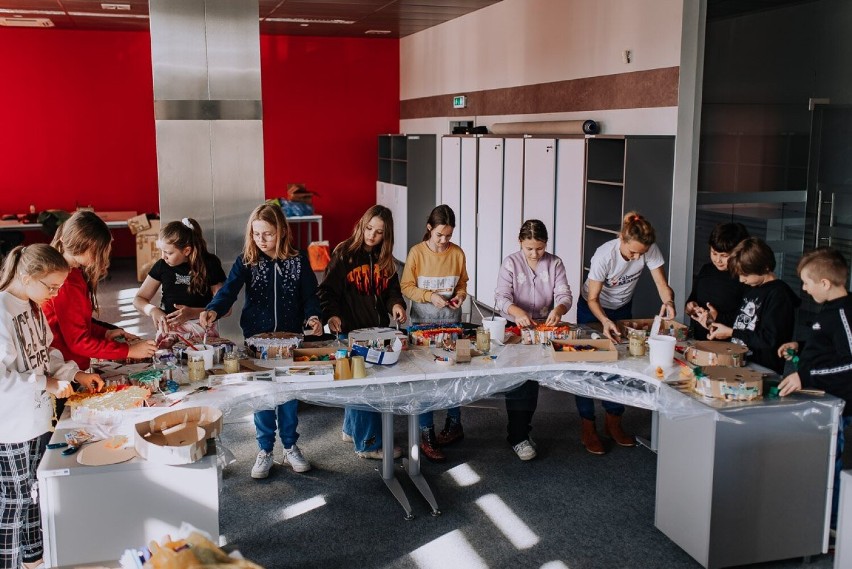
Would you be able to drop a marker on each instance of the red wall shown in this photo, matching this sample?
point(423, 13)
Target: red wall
point(325, 100)
point(79, 121)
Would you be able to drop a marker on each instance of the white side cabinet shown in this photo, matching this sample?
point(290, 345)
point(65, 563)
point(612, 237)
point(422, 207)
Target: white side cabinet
point(567, 230)
point(540, 181)
point(490, 213)
point(466, 218)
point(395, 198)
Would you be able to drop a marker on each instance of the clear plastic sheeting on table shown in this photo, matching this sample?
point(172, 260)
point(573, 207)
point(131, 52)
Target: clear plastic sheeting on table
point(420, 383)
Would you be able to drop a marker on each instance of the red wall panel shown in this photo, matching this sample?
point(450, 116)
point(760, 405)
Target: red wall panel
point(79, 121)
point(325, 100)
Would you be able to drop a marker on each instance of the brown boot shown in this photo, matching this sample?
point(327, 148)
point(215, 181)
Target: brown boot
point(429, 446)
point(589, 437)
point(615, 432)
point(452, 432)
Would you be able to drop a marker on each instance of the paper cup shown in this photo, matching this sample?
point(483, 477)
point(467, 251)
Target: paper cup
point(205, 352)
point(662, 350)
point(496, 327)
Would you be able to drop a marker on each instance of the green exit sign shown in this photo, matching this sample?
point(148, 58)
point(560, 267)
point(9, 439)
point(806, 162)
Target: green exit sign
point(459, 102)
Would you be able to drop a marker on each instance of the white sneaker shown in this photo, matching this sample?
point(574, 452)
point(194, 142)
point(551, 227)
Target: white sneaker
point(346, 438)
point(524, 450)
point(294, 457)
point(262, 465)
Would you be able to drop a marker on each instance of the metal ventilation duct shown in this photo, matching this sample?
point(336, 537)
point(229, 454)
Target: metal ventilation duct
point(207, 106)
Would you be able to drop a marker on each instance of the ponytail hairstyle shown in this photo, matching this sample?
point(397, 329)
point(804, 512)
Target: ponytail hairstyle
point(272, 215)
point(533, 229)
point(441, 215)
point(355, 242)
point(187, 233)
point(34, 260)
point(636, 228)
point(82, 233)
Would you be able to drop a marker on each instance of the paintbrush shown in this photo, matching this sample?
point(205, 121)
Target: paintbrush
point(189, 344)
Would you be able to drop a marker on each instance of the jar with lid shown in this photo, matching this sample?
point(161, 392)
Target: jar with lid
point(636, 343)
point(195, 368)
point(231, 362)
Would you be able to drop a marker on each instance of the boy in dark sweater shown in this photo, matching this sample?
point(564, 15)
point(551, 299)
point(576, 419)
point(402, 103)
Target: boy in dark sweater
point(716, 293)
point(825, 357)
point(768, 309)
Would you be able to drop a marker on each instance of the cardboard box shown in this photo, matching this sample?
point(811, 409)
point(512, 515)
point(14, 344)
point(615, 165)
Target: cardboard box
point(147, 252)
point(730, 383)
point(138, 224)
point(372, 356)
point(605, 351)
point(178, 437)
point(305, 373)
point(716, 353)
point(667, 328)
point(367, 336)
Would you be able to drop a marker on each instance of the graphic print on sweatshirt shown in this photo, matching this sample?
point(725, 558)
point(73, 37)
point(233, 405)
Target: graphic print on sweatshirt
point(622, 280)
point(747, 318)
point(31, 339)
point(444, 286)
point(289, 270)
point(359, 278)
point(183, 280)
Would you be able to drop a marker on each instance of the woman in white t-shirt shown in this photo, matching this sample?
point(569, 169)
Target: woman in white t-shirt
point(608, 296)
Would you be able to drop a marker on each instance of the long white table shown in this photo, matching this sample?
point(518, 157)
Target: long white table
point(696, 437)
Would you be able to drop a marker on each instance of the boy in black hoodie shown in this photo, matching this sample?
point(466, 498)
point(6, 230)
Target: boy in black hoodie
point(825, 357)
point(768, 310)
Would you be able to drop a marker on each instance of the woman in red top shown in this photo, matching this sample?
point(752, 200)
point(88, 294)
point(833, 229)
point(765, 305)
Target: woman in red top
point(85, 242)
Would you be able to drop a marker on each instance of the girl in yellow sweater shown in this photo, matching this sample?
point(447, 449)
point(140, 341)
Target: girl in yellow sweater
point(435, 280)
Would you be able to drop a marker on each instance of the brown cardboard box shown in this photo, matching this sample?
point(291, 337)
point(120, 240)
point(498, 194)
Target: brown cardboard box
point(147, 252)
point(605, 351)
point(667, 328)
point(178, 437)
point(138, 224)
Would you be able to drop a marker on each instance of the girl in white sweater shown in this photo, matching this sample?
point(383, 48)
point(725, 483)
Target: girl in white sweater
point(31, 374)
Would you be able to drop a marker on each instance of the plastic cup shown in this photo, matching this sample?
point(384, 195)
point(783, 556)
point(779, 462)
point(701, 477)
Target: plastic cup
point(359, 370)
point(662, 350)
point(496, 327)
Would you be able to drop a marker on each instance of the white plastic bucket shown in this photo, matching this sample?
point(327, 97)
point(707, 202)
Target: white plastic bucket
point(662, 350)
point(496, 327)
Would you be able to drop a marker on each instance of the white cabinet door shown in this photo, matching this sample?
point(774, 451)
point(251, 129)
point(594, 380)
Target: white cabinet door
point(395, 198)
point(540, 181)
point(513, 194)
point(490, 210)
point(466, 214)
point(451, 175)
point(568, 226)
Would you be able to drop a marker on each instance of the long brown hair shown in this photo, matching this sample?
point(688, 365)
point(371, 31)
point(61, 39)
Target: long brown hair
point(272, 215)
point(440, 215)
point(636, 228)
point(355, 242)
point(34, 260)
point(187, 233)
point(84, 232)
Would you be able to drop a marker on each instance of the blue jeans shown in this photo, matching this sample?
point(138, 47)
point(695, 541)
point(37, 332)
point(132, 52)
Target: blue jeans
point(427, 420)
point(838, 467)
point(287, 419)
point(365, 428)
point(586, 405)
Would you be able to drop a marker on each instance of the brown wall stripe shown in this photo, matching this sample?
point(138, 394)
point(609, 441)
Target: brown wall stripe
point(635, 90)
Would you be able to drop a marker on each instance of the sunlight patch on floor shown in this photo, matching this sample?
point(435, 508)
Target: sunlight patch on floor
point(554, 565)
point(449, 550)
point(302, 507)
point(502, 516)
point(464, 475)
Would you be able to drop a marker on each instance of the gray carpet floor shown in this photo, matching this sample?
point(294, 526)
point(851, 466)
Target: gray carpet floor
point(566, 509)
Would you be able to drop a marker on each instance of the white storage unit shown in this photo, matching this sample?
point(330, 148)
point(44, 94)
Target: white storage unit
point(540, 181)
point(451, 176)
point(406, 185)
point(466, 218)
point(567, 233)
point(513, 194)
point(490, 214)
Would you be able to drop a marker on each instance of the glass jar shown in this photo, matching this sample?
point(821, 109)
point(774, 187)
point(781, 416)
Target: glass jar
point(483, 340)
point(636, 343)
point(231, 362)
point(195, 368)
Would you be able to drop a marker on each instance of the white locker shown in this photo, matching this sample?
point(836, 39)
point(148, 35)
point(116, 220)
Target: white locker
point(568, 227)
point(490, 212)
point(540, 181)
point(466, 219)
point(451, 177)
point(395, 198)
point(513, 194)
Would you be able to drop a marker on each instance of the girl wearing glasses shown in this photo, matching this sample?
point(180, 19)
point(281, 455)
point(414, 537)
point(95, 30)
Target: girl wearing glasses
point(281, 296)
point(31, 375)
